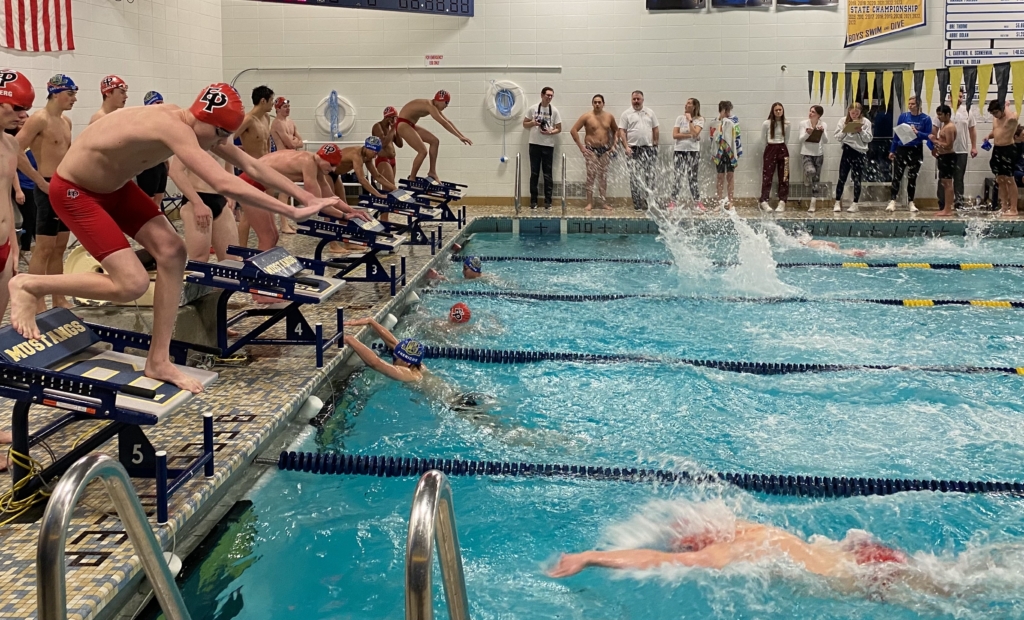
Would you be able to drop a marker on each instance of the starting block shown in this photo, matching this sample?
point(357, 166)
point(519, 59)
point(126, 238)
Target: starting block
point(372, 235)
point(65, 369)
point(274, 273)
point(405, 203)
point(440, 193)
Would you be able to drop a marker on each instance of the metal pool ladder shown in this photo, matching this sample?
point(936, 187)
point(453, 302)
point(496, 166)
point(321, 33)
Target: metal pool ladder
point(433, 520)
point(51, 586)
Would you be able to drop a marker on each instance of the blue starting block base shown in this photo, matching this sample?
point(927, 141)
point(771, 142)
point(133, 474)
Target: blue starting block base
point(66, 369)
point(274, 274)
point(372, 235)
point(441, 195)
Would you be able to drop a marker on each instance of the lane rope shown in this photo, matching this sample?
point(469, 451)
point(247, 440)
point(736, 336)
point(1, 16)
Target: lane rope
point(495, 356)
point(847, 265)
point(771, 484)
point(909, 303)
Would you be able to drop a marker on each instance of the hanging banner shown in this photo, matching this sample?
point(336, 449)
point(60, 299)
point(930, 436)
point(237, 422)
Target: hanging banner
point(871, 19)
point(740, 4)
point(799, 3)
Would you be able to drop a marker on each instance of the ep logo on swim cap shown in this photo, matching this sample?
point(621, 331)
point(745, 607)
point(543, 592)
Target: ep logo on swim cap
point(390, 111)
point(15, 89)
point(374, 144)
point(443, 95)
point(219, 105)
point(111, 83)
point(409, 351)
point(331, 154)
point(473, 264)
point(459, 313)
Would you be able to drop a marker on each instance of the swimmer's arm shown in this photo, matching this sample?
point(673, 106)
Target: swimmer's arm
point(396, 139)
point(374, 173)
point(575, 131)
point(444, 122)
point(310, 172)
point(266, 175)
point(28, 133)
point(359, 169)
point(26, 167)
point(631, 559)
point(373, 360)
point(326, 189)
point(178, 174)
point(382, 332)
point(246, 125)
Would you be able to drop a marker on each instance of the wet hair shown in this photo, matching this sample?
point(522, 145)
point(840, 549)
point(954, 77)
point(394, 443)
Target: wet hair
point(725, 106)
point(820, 111)
point(544, 90)
point(771, 118)
point(637, 92)
point(996, 106)
point(260, 93)
point(944, 109)
point(596, 96)
point(696, 107)
point(854, 106)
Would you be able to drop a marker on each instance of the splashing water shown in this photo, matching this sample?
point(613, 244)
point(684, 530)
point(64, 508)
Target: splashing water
point(755, 274)
point(976, 231)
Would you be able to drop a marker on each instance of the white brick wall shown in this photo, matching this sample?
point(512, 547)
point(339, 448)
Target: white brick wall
point(172, 46)
point(607, 46)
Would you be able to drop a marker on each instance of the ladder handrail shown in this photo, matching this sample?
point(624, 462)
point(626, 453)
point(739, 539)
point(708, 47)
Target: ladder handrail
point(563, 185)
point(51, 584)
point(517, 187)
point(433, 520)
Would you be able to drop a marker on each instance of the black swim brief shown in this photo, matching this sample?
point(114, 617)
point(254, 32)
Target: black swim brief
point(946, 165)
point(599, 150)
point(47, 222)
point(153, 180)
point(1003, 160)
point(216, 202)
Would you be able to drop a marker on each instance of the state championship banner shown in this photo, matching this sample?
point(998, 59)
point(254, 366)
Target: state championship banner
point(871, 19)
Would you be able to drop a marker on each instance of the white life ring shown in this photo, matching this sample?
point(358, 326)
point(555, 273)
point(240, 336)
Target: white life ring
point(497, 102)
point(346, 116)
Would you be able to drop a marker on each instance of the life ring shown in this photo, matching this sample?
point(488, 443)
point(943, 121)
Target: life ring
point(80, 261)
point(505, 100)
point(346, 117)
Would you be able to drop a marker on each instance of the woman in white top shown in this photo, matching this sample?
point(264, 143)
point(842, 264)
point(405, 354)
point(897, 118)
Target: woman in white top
point(813, 137)
point(854, 133)
point(686, 133)
point(776, 157)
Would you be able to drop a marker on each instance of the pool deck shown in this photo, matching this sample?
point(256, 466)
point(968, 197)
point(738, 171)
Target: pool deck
point(254, 405)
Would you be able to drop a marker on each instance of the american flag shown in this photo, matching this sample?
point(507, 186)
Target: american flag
point(37, 25)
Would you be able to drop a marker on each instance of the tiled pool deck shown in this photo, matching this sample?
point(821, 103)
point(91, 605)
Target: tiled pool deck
point(254, 403)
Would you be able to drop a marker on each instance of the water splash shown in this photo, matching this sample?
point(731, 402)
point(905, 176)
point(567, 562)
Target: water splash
point(755, 273)
point(977, 230)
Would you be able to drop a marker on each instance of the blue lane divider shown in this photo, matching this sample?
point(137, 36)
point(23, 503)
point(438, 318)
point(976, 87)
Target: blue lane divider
point(771, 484)
point(846, 265)
point(570, 297)
point(494, 356)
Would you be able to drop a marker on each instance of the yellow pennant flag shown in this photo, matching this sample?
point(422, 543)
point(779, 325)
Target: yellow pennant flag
point(956, 76)
point(1017, 75)
point(855, 78)
point(871, 88)
point(828, 87)
point(929, 85)
point(840, 85)
point(908, 86)
point(984, 79)
point(886, 87)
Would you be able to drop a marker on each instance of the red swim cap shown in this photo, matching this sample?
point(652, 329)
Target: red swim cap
point(390, 111)
point(331, 154)
point(111, 83)
point(443, 95)
point(219, 105)
point(459, 313)
point(15, 89)
point(876, 553)
point(280, 102)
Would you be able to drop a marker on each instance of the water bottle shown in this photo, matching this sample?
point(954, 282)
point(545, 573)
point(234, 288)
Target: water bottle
point(986, 145)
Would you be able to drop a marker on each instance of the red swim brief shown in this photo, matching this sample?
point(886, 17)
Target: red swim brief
point(399, 120)
point(251, 181)
point(385, 160)
point(5, 252)
point(98, 220)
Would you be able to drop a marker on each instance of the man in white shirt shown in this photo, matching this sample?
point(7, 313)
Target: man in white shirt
point(638, 132)
point(966, 143)
point(544, 123)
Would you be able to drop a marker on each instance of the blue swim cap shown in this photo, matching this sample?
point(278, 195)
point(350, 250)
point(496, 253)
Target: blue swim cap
point(374, 144)
point(60, 83)
point(473, 264)
point(152, 97)
point(409, 351)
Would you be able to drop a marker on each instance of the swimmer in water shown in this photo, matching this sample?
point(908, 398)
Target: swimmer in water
point(472, 268)
point(857, 564)
point(815, 244)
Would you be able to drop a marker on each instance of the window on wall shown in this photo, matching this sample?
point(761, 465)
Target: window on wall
point(881, 113)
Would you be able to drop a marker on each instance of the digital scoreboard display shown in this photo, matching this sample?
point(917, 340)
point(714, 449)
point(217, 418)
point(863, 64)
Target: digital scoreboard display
point(457, 8)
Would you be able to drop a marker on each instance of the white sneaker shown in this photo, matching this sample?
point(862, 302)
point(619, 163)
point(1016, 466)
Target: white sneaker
point(913, 207)
point(810, 209)
point(836, 208)
point(765, 207)
point(781, 207)
point(891, 206)
point(853, 208)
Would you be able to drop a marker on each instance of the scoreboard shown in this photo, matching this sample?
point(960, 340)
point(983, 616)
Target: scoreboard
point(459, 8)
point(983, 31)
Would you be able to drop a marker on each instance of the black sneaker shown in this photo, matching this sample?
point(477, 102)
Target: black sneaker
point(548, 206)
point(533, 206)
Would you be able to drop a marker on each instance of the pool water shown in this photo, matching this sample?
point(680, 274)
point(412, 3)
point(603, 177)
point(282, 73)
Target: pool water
point(333, 546)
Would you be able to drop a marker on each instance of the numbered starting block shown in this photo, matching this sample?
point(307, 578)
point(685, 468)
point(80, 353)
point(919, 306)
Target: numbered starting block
point(68, 369)
point(372, 235)
point(276, 274)
point(417, 210)
point(442, 194)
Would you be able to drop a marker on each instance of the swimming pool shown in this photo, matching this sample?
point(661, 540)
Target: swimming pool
point(333, 546)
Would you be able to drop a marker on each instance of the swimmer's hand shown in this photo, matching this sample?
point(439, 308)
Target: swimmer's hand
point(466, 141)
point(359, 322)
point(203, 216)
point(358, 215)
point(304, 213)
point(569, 564)
point(19, 196)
